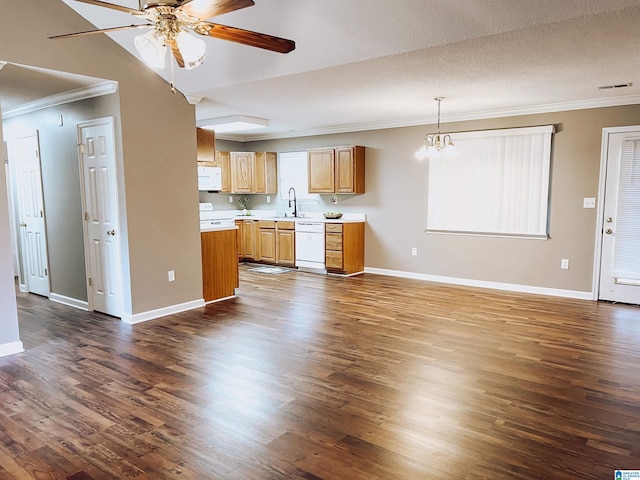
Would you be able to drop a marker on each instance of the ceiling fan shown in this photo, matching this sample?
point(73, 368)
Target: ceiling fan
point(171, 21)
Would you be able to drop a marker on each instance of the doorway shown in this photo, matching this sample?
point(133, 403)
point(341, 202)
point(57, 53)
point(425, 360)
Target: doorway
point(619, 266)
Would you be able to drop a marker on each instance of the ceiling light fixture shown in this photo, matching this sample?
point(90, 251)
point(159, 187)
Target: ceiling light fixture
point(152, 46)
point(435, 144)
point(233, 123)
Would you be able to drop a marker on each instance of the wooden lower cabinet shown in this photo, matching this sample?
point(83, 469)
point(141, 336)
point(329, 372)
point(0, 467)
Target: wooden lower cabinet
point(344, 248)
point(276, 242)
point(246, 239)
point(286, 243)
point(267, 241)
point(219, 264)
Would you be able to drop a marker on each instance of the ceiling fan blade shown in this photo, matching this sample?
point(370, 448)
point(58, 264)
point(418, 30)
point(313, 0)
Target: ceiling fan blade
point(112, 6)
point(176, 53)
point(102, 30)
point(204, 9)
point(246, 37)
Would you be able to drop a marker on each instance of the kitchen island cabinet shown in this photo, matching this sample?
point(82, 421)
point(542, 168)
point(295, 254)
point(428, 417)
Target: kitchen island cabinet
point(344, 248)
point(219, 264)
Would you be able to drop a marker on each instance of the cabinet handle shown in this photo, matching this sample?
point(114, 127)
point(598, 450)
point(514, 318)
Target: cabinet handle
point(608, 231)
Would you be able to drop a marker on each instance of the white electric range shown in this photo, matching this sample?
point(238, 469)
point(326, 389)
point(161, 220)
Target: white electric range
point(210, 218)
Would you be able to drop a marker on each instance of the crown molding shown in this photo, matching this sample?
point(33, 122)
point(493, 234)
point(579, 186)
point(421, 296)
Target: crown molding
point(97, 90)
point(462, 117)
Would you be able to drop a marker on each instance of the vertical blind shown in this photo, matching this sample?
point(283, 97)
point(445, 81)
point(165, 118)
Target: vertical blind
point(497, 184)
point(292, 172)
point(626, 253)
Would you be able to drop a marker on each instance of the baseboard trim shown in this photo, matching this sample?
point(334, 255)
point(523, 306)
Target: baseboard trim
point(71, 302)
point(161, 312)
point(220, 299)
point(510, 287)
point(11, 348)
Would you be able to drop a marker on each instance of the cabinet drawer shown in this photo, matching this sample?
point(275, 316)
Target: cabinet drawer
point(333, 241)
point(266, 224)
point(333, 260)
point(333, 227)
point(286, 225)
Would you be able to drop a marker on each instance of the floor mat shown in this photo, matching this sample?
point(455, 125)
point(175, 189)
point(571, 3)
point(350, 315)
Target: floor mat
point(271, 270)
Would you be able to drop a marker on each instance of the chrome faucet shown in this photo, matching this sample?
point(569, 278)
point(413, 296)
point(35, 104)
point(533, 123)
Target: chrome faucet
point(295, 202)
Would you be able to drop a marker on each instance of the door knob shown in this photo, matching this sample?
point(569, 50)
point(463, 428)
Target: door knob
point(111, 232)
point(609, 219)
point(608, 231)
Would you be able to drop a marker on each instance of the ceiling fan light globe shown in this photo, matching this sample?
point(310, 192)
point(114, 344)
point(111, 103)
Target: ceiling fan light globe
point(191, 48)
point(152, 49)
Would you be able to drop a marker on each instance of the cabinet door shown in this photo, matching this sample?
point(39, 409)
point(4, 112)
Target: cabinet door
point(206, 145)
point(267, 244)
point(286, 247)
point(223, 160)
point(321, 171)
point(249, 239)
point(242, 172)
point(349, 170)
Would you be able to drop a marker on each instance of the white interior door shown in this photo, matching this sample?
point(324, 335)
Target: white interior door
point(620, 258)
point(32, 237)
point(102, 234)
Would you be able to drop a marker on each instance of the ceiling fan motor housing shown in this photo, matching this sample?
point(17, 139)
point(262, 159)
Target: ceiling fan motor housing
point(146, 4)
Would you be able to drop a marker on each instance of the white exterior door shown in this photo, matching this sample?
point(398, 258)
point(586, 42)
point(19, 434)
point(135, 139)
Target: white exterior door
point(102, 235)
point(620, 258)
point(32, 239)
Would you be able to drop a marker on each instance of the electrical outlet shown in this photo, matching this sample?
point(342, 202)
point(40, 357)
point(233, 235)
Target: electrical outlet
point(564, 264)
point(172, 275)
point(589, 202)
point(414, 252)
point(268, 198)
point(230, 198)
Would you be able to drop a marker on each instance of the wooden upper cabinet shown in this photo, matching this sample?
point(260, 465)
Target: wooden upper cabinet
point(350, 170)
point(223, 160)
point(206, 145)
point(321, 170)
point(265, 173)
point(242, 172)
point(336, 170)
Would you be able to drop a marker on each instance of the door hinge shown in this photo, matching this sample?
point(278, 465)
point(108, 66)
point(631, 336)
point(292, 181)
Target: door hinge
point(86, 216)
point(41, 214)
point(90, 282)
point(46, 272)
point(81, 146)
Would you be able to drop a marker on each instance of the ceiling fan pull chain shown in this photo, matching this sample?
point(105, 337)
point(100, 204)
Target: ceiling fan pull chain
point(173, 89)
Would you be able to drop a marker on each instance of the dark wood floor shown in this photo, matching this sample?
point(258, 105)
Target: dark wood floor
point(311, 377)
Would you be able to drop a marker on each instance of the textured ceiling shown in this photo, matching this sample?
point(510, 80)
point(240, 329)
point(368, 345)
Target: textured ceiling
point(373, 63)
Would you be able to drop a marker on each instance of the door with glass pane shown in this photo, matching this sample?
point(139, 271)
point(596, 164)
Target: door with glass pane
point(620, 259)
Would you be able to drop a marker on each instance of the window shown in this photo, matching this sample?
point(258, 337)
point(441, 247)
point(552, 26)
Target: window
point(498, 184)
point(292, 172)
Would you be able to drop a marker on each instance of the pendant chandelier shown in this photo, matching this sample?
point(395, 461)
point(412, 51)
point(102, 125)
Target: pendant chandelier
point(436, 144)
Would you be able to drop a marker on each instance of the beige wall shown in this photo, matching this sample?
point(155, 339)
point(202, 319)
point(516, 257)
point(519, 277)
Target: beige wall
point(156, 134)
point(395, 203)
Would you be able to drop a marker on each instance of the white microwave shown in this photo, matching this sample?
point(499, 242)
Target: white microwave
point(210, 179)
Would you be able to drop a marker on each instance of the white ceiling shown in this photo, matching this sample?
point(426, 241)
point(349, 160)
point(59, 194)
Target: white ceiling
point(365, 64)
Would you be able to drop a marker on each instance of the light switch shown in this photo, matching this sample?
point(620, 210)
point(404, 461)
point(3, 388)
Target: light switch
point(589, 202)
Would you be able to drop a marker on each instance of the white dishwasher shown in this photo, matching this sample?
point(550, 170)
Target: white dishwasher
point(310, 245)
